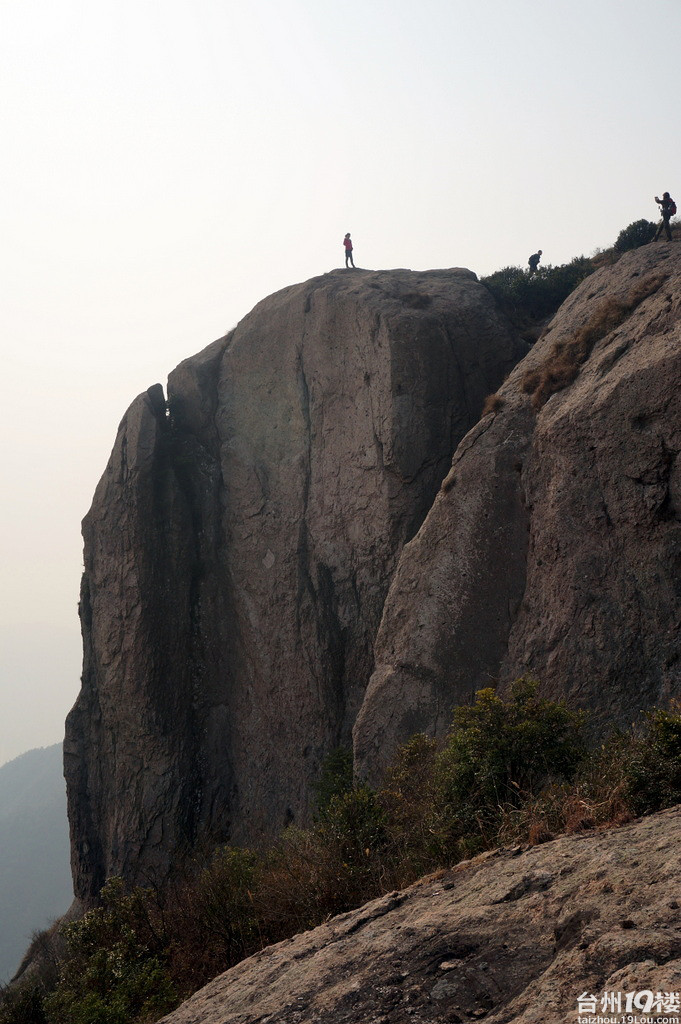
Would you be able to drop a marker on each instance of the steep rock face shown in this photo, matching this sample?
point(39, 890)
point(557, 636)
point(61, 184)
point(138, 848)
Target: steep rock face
point(514, 935)
point(239, 549)
point(554, 545)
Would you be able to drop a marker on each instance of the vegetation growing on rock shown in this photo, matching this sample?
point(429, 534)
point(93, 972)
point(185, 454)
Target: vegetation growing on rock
point(529, 301)
point(565, 358)
point(508, 772)
point(640, 232)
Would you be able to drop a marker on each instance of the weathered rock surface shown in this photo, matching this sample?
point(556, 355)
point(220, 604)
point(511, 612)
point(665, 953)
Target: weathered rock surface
point(554, 545)
point(238, 553)
point(510, 936)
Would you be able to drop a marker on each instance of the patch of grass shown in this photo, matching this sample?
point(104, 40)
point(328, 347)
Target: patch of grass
point(597, 796)
point(493, 403)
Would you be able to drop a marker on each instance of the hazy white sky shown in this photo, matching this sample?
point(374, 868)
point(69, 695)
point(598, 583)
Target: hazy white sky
point(166, 165)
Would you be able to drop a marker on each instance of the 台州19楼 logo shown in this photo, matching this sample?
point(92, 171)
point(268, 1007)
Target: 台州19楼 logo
point(644, 1007)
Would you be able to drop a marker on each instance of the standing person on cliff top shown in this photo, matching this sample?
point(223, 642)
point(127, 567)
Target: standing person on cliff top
point(668, 210)
point(347, 242)
point(534, 262)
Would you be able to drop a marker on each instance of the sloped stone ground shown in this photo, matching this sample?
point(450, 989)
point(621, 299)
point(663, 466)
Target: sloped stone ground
point(514, 935)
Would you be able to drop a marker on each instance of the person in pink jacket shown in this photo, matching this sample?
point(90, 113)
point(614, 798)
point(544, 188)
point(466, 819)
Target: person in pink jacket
point(347, 242)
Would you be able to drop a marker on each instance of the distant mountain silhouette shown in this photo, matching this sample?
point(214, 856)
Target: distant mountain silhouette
point(35, 878)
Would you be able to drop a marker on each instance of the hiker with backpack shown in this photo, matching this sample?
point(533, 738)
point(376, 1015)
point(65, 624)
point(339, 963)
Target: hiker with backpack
point(668, 210)
point(534, 262)
point(347, 245)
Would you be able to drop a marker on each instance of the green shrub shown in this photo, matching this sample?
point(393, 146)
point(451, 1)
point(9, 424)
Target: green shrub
point(354, 825)
point(654, 766)
point(500, 753)
point(408, 797)
point(354, 839)
point(114, 971)
point(349, 818)
point(512, 770)
point(410, 774)
point(301, 879)
point(23, 1004)
point(529, 300)
point(335, 779)
point(340, 863)
point(638, 233)
point(597, 796)
point(537, 297)
point(211, 918)
point(224, 903)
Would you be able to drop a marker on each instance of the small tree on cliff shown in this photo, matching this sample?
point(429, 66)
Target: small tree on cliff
point(640, 232)
point(499, 753)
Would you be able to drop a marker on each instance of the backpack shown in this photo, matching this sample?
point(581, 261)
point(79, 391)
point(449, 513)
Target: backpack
point(672, 208)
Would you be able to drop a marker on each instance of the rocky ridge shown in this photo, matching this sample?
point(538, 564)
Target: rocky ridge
point(514, 935)
point(554, 545)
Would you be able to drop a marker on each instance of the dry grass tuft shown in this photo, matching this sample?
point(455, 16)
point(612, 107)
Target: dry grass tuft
point(530, 381)
point(493, 403)
point(642, 289)
point(598, 798)
point(566, 357)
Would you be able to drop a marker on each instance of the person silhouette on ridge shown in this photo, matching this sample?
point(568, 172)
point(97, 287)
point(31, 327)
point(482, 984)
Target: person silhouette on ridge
point(534, 262)
point(667, 209)
point(347, 242)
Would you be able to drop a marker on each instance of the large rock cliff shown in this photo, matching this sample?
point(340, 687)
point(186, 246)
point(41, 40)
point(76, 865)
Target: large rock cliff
point(239, 549)
point(243, 538)
point(554, 545)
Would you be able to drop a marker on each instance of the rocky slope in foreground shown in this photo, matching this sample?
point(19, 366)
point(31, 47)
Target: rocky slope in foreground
point(554, 545)
point(510, 936)
point(238, 553)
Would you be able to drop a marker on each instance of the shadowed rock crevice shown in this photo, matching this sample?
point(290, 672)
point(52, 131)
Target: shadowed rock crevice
point(147, 644)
